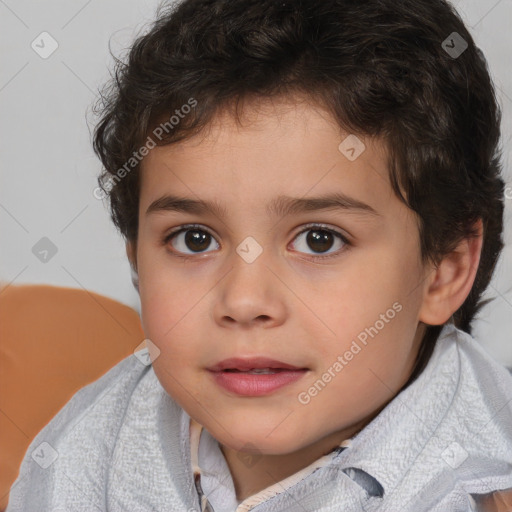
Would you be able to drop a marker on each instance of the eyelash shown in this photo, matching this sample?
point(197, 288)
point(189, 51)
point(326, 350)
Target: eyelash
point(308, 227)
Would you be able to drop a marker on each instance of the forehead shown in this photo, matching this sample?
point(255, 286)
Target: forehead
point(293, 149)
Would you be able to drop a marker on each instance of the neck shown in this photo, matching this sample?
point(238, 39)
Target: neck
point(252, 473)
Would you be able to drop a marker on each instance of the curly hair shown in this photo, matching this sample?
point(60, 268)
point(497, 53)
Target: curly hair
point(382, 68)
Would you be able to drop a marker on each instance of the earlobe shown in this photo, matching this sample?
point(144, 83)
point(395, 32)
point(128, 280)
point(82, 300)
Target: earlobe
point(452, 280)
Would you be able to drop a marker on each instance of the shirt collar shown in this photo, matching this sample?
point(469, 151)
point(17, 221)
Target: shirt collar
point(195, 431)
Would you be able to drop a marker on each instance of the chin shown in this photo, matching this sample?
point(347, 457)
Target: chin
point(255, 443)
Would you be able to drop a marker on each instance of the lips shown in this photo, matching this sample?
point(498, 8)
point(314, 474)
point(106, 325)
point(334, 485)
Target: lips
point(253, 363)
point(255, 376)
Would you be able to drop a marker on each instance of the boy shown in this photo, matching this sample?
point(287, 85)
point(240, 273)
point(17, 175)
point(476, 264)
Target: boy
point(284, 376)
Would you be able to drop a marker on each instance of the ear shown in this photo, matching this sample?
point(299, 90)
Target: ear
point(131, 252)
point(450, 283)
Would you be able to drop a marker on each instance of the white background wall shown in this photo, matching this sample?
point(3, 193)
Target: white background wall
point(48, 168)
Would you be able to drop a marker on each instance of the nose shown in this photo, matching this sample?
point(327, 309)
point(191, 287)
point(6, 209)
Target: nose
point(250, 295)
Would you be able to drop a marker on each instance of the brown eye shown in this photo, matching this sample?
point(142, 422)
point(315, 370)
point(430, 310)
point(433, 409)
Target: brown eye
point(319, 240)
point(191, 239)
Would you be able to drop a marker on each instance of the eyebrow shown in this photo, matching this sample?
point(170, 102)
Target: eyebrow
point(279, 207)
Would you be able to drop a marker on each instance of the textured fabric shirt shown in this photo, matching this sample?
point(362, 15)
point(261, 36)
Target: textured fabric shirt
point(122, 444)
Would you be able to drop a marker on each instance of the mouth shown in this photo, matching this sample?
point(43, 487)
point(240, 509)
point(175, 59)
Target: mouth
point(255, 376)
point(259, 371)
point(256, 365)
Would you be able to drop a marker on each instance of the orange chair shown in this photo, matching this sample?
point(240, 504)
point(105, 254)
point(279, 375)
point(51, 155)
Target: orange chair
point(53, 341)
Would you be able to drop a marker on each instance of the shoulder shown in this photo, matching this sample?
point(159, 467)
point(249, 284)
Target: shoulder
point(471, 448)
point(448, 436)
point(77, 441)
point(478, 379)
point(109, 395)
point(485, 389)
point(480, 359)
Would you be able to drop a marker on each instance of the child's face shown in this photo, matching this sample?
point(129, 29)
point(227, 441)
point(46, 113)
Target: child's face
point(284, 305)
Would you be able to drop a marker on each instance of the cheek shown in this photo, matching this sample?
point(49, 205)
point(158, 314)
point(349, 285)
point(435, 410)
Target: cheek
point(170, 313)
point(164, 296)
point(167, 320)
point(370, 321)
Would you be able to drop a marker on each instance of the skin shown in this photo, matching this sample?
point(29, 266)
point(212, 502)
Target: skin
point(285, 305)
